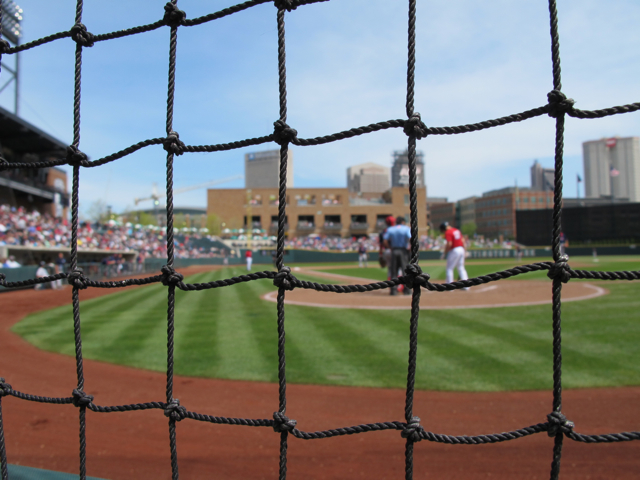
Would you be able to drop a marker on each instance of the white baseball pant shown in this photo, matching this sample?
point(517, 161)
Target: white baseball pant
point(455, 258)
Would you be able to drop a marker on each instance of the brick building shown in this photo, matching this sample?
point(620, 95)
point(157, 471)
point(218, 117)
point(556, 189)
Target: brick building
point(496, 210)
point(442, 212)
point(324, 211)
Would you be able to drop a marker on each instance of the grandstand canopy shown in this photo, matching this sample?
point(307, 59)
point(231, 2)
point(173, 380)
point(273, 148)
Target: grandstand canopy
point(22, 137)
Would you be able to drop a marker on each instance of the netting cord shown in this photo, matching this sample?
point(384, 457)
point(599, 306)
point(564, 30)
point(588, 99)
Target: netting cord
point(74, 154)
point(173, 17)
point(557, 227)
point(414, 253)
point(281, 125)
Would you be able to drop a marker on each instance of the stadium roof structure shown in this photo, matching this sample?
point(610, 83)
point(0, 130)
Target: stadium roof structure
point(22, 137)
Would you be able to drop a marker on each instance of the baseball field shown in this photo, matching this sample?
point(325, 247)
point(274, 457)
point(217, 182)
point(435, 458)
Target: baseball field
point(480, 370)
point(230, 333)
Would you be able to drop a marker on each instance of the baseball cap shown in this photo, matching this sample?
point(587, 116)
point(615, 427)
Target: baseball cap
point(390, 221)
point(443, 226)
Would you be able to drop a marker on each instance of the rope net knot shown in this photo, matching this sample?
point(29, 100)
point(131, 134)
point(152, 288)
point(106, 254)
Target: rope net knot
point(559, 104)
point(3, 277)
point(173, 144)
point(412, 430)
point(288, 5)
point(175, 411)
point(75, 156)
point(558, 423)
point(282, 423)
point(413, 276)
point(170, 276)
point(5, 388)
point(283, 133)
point(414, 126)
point(81, 36)
point(4, 46)
point(81, 399)
point(560, 270)
point(173, 16)
point(77, 279)
point(284, 279)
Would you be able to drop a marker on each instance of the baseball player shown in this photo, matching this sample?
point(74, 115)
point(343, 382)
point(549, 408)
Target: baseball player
point(248, 255)
point(397, 239)
point(454, 251)
point(362, 255)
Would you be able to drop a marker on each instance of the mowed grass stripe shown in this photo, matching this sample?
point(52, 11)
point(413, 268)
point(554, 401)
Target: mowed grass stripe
point(506, 356)
point(230, 333)
point(238, 342)
point(52, 330)
point(196, 341)
point(345, 353)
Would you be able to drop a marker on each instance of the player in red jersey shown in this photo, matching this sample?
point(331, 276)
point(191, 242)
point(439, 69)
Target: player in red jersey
point(454, 251)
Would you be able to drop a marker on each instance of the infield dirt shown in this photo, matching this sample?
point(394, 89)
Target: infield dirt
point(136, 445)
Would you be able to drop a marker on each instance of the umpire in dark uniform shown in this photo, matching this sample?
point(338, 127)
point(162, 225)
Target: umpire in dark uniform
point(397, 239)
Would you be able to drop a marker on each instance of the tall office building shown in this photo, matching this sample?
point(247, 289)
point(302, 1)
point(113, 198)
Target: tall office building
point(262, 169)
point(612, 168)
point(368, 178)
point(542, 179)
point(400, 169)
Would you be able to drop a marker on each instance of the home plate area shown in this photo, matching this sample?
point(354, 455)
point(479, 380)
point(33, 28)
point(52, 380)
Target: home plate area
point(502, 293)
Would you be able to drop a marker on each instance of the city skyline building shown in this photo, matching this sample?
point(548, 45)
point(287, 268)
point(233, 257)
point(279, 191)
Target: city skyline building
point(612, 168)
point(368, 178)
point(262, 169)
point(400, 169)
point(542, 179)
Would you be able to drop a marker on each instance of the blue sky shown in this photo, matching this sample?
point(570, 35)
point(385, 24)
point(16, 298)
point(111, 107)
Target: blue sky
point(346, 67)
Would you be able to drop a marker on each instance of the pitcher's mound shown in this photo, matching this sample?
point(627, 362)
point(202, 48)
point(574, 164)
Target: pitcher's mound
point(502, 293)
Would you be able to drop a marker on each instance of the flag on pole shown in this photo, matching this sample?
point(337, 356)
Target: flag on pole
point(579, 179)
point(613, 172)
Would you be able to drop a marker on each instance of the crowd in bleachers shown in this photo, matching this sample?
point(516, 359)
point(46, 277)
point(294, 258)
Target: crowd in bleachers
point(19, 226)
point(329, 243)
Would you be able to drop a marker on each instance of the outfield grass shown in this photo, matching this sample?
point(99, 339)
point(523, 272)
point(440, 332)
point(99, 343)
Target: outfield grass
point(230, 333)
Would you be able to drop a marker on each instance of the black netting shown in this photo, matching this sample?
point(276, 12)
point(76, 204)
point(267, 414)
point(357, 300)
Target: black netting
point(558, 106)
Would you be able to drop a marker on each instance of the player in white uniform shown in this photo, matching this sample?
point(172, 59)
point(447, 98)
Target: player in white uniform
point(454, 251)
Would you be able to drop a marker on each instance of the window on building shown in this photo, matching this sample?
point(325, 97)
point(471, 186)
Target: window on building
point(306, 199)
point(305, 221)
point(359, 219)
point(332, 220)
point(331, 199)
point(406, 199)
point(274, 219)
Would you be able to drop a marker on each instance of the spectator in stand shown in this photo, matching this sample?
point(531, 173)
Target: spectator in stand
point(11, 262)
point(41, 272)
point(60, 265)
